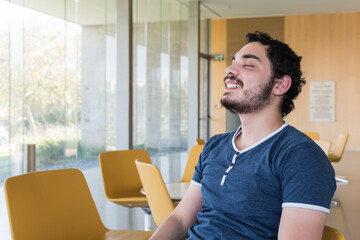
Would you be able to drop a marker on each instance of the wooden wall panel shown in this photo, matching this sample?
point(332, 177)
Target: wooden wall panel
point(330, 47)
point(238, 28)
point(218, 46)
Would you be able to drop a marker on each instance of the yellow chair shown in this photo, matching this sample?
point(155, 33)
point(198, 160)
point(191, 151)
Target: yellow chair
point(121, 180)
point(313, 135)
point(332, 234)
point(157, 194)
point(339, 147)
point(336, 155)
point(199, 141)
point(324, 145)
point(122, 184)
point(193, 159)
point(57, 205)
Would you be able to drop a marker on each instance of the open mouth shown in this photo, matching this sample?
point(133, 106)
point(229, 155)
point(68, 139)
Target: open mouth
point(232, 82)
point(232, 85)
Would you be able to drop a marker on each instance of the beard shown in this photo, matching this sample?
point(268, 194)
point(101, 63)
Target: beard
point(253, 100)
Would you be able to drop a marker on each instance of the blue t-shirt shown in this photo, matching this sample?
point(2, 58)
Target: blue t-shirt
point(244, 191)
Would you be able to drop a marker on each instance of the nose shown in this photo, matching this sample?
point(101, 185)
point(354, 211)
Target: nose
point(232, 70)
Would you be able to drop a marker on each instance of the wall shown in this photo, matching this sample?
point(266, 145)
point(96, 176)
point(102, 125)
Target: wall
point(218, 46)
point(329, 44)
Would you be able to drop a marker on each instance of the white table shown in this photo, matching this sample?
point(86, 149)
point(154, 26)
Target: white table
point(176, 190)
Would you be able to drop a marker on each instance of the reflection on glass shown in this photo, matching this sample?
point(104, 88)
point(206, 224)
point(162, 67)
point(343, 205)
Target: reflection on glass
point(160, 82)
point(5, 166)
point(57, 77)
point(204, 110)
point(204, 35)
point(204, 99)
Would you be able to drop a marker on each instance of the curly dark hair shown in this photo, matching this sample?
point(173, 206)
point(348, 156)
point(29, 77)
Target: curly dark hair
point(284, 61)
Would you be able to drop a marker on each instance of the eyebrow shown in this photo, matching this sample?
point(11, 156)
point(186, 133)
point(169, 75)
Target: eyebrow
point(247, 56)
point(251, 56)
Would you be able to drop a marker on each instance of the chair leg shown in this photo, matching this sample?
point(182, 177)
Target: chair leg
point(147, 219)
point(341, 180)
point(147, 222)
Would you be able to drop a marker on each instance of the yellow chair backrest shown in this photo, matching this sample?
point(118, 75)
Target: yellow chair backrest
point(200, 141)
point(121, 180)
point(332, 234)
point(54, 205)
point(157, 195)
point(313, 135)
point(324, 145)
point(339, 148)
point(193, 159)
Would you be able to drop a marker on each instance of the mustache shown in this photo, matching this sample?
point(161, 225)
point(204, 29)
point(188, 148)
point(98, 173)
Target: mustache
point(232, 77)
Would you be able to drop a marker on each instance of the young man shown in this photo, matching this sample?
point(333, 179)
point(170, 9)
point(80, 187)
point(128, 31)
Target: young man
point(266, 180)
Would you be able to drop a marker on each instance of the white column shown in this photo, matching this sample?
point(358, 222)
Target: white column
point(193, 54)
point(124, 63)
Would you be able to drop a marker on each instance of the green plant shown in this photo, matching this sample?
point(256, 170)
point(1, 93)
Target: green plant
point(50, 152)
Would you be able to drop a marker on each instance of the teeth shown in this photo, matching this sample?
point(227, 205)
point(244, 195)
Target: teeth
point(232, 85)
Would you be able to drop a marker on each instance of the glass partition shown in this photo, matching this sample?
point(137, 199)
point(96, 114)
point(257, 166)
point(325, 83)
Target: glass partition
point(204, 79)
point(160, 83)
point(5, 8)
point(57, 80)
point(58, 84)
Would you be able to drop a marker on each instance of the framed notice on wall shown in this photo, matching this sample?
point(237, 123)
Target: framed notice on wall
point(322, 101)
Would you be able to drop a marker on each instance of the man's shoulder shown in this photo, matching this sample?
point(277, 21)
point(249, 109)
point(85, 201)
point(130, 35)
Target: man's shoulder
point(291, 134)
point(220, 141)
point(222, 137)
point(291, 139)
point(292, 143)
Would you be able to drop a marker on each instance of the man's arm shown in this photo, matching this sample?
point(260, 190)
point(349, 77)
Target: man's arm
point(185, 214)
point(301, 223)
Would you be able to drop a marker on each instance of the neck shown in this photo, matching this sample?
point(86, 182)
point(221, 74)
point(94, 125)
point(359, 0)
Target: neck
point(256, 126)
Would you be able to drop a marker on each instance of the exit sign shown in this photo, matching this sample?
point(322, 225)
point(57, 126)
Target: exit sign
point(218, 57)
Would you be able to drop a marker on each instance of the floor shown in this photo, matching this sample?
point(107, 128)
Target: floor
point(346, 215)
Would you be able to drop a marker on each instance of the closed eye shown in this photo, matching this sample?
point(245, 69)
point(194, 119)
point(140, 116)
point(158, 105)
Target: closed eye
point(248, 65)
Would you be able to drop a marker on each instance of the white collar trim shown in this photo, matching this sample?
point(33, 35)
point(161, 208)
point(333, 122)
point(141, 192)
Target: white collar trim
point(238, 131)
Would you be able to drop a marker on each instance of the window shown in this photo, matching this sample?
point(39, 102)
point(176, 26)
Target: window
point(57, 80)
point(160, 83)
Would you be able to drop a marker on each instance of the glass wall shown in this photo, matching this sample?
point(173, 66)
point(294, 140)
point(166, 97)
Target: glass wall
point(204, 114)
point(57, 73)
point(204, 80)
point(161, 83)
point(57, 80)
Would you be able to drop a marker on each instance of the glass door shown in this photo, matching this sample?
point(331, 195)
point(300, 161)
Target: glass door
point(204, 80)
point(204, 113)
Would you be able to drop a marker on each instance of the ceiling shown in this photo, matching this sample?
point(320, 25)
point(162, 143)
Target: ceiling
point(92, 12)
point(262, 8)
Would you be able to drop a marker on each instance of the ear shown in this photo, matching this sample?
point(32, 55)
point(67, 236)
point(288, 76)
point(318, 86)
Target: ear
point(282, 85)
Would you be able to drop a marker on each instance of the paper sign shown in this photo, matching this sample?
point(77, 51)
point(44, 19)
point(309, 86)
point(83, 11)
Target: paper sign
point(322, 101)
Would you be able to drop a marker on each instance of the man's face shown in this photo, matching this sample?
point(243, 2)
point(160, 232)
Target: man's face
point(248, 81)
